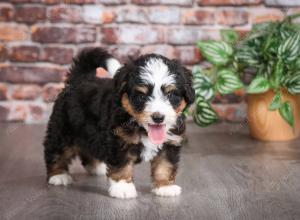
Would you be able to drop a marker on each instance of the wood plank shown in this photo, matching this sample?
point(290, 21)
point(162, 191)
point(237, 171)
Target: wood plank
point(224, 174)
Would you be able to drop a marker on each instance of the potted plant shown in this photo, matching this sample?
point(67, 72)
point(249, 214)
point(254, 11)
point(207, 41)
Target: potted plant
point(271, 52)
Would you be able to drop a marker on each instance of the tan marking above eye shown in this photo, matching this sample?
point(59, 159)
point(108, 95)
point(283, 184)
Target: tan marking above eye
point(169, 88)
point(142, 89)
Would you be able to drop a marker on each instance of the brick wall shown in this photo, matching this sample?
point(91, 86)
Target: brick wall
point(38, 39)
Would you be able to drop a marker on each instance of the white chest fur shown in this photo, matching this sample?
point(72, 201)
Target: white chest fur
point(150, 150)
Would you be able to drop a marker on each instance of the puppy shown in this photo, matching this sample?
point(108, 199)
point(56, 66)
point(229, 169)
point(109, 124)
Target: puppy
point(112, 124)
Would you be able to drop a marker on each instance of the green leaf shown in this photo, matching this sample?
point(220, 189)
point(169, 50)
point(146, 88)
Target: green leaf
point(216, 52)
point(228, 82)
point(276, 102)
point(204, 114)
point(262, 26)
point(286, 111)
point(292, 83)
point(276, 75)
point(203, 86)
point(259, 84)
point(248, 56)
point(230, 36)
point(186, 112)
point(290, 48)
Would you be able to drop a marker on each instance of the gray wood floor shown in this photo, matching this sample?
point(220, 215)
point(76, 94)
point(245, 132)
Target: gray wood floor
point(224, 174)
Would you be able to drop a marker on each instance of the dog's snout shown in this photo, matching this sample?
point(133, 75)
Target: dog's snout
point(157, 117)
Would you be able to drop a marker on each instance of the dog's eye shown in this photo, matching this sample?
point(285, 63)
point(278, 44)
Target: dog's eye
point(142, 97)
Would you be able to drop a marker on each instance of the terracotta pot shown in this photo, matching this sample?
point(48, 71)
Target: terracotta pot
point(269, 125)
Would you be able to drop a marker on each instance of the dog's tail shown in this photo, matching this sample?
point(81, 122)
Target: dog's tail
point(88, 60)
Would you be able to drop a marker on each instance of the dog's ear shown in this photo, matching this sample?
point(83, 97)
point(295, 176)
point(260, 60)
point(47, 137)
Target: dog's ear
point(121, 81)
point(188, 86)
point(185, 80)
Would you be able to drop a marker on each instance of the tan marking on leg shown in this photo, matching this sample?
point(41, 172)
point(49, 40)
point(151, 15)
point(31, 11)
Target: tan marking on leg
point(162, 171)
point(124, 173)
point(62, 162)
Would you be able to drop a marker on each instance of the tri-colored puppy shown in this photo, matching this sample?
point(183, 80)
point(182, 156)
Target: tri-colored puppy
point(112, 124)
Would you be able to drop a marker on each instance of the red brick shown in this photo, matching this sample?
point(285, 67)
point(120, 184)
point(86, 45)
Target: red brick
point(3, 91)
point(59, 55)
point(164, 15)
point(231, 112)
point(164, 2)
point(24, 53)
point(164, 50)
point(132, 14)
point(198, 17)
point(190, 35)
point(30, 14)
point(58, 34)
point(123, 52)
point(51, 91)
point(259, 15)
point(4, 112)
point(229, 2)
point(26, 92)
point(232, 17)
point(37, 112)
point(13, 32)
point(79, 1)
point(25, 1)
point(31, 74)
point(3, 53)
point(112, 2)
point(132, 34)
point(188, 55)
point(18, 112)
point(108, 16)
point(231, 98)
point(65, 13)
point(6, 13)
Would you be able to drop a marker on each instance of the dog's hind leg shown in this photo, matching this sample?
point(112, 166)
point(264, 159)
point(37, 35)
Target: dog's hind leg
point(57, 165)
point(92, 165)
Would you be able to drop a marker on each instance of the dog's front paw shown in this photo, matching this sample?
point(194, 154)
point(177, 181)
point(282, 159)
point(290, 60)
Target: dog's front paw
point(122, 189)
point(168, 191)
point(60, 179)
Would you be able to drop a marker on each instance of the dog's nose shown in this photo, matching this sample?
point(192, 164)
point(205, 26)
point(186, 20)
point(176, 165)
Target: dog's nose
point(157, 117)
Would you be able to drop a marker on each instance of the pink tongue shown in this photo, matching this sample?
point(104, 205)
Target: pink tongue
point(157, 133)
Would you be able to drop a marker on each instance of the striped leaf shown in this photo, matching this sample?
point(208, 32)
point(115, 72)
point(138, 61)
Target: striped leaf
point(259, 84)
point(248, 56)
point(204, 114)
point(228, 82)
point(276, 75)
point(292, 83)
point(287, 113)
point(289, 50)
point(203, 86)
point(216, 52)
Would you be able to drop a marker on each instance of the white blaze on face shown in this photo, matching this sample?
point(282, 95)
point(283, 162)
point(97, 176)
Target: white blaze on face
point(156, 73)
